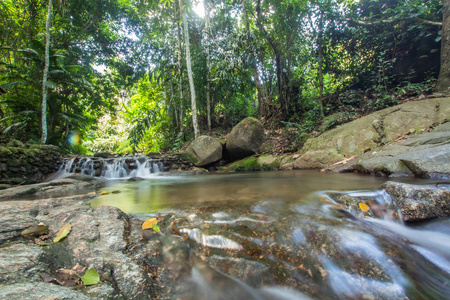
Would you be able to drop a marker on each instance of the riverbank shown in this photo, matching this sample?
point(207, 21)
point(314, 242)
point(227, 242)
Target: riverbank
point(411, 139)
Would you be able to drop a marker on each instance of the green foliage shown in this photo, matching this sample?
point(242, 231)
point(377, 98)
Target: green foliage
point(146, 117)
point(353, 57)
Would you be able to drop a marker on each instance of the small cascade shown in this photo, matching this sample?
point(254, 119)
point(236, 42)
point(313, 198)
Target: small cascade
point(111, 168)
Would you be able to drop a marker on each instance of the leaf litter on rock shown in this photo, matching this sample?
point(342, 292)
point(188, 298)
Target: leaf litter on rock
point(34, 231)
point(91, 277)
point(151, 223)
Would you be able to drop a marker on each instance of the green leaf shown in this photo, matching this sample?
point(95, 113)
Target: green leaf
point(156, 228)
point(90, 277)
point(63, 232)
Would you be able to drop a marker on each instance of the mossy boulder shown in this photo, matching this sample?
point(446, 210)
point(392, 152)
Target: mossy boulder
point(245, 138)
point(252, 163)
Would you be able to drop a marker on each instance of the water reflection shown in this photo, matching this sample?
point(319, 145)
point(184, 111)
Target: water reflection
point(166, 192)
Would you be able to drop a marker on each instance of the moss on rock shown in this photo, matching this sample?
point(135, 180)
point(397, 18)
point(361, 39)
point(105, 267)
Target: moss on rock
point(252, 163)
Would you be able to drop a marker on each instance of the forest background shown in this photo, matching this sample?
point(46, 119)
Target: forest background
point(129, 76)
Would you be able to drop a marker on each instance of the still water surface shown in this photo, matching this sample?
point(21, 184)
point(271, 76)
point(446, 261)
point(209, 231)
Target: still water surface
point(285, 235)
point(164, 192)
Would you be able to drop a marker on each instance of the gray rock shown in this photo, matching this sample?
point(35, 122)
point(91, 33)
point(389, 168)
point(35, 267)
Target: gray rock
point(20, 263)
point(63, 185)
point(204, 151)
point(39, 291)
point(104, 155)
point(245, 138)
point(426, 155)
point(98, 239)
point(372, 131)
point(419, 202)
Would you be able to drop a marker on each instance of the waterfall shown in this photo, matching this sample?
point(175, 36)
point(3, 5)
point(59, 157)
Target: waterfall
point(111, 168)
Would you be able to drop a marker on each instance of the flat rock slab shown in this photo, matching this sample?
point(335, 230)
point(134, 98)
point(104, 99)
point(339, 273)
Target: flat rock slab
point(426, 156)
point(63, 186)
point(372, 131)
point(99, 239)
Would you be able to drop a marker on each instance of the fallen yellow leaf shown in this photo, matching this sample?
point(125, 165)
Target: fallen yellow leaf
point(149, 223)
point(364, 207)
point(62, 233)
point(104, 193)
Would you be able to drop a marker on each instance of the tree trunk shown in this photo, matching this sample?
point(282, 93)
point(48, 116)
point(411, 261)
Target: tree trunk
point(180, 79)
point(208, 83)
point(320, 45)
point(443, 83)
point(173, 103)
point(45, 75)
point(255, 70)
point(189, 69)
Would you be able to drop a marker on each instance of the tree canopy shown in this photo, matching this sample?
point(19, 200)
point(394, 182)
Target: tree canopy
point(151, 71)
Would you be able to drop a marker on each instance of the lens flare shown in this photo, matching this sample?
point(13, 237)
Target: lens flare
point(74, 138)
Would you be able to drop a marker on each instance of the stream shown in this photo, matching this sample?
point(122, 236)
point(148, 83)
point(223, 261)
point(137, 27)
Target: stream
point(285, 235)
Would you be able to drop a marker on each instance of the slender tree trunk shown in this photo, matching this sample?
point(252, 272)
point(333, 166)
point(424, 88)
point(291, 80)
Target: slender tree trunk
point(180, 79)
point(443, 83)
point(208, 82)
point(189, 69)
point(173, 102)
point(320, 45)
point(45, 76)
point(255, 70)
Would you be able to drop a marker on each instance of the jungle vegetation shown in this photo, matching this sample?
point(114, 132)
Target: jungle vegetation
point(149, 75)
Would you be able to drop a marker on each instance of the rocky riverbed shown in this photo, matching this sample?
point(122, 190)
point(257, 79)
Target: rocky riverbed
point(240, 240)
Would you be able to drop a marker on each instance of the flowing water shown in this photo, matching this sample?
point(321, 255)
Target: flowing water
point(286, 235)
point(110, 168)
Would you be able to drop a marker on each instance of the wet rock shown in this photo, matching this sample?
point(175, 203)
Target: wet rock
point(135, 179)
point(104, 155)
point(261, 163)
point(420, 202)
point(204, 151)
point(245, 138)
point(66, 185)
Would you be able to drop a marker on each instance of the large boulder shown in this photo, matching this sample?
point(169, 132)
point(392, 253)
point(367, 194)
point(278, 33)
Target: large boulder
point(370, 132)
point(245, 138)
point(204, 151)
